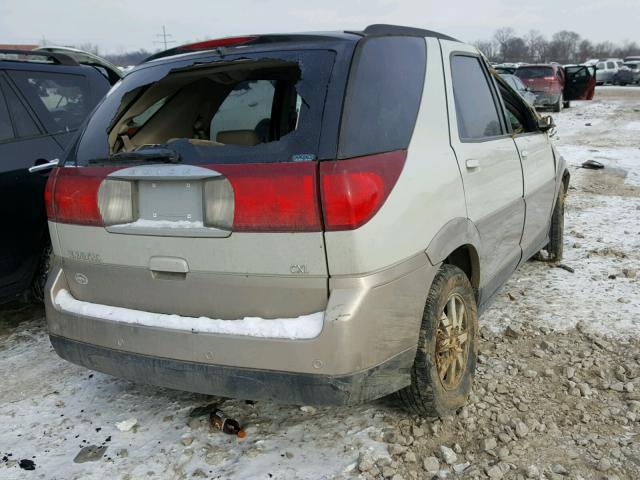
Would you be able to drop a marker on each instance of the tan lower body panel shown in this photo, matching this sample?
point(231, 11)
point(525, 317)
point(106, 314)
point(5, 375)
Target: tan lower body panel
point(368, 320)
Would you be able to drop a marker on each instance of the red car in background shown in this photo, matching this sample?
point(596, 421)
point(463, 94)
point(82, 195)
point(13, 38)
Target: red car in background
point(555, 86)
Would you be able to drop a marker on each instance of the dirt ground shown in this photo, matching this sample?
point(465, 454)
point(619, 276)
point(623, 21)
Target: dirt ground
point(556, 396)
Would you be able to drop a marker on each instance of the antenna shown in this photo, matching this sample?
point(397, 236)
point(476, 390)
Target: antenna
point(165, 38)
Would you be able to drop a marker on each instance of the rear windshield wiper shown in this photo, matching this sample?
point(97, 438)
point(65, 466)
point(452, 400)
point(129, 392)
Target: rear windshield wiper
point(146, 155)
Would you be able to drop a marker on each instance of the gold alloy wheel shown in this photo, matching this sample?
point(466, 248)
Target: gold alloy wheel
point(452, 342)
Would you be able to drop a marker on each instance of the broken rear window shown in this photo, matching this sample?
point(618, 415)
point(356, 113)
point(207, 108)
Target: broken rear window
point(237, 109)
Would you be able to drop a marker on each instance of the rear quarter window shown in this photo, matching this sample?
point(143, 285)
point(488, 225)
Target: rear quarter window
point(383, 96)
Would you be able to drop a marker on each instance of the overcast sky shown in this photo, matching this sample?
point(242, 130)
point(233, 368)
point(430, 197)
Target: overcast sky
point(122, 25)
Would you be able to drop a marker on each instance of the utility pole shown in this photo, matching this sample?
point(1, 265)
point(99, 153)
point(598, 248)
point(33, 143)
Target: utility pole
point(165, 38)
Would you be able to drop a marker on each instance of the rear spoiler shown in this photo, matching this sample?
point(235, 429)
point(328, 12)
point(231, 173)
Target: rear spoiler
point(59, 58)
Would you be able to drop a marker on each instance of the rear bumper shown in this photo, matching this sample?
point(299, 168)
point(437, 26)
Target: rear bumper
point(364, 351)
point(243, 383)
point(544, 99)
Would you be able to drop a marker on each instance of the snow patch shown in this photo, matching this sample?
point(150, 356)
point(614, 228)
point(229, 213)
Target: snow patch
point(146, 223)
point(302, 327)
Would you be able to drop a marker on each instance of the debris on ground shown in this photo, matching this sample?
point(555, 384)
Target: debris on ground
point(127, 425)
point(90, 453)
point(230, 426)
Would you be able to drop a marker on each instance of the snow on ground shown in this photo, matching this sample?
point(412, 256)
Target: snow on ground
point(50, 409)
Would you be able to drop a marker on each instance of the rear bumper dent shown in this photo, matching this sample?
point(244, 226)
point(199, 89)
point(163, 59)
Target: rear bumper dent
point(365, 348)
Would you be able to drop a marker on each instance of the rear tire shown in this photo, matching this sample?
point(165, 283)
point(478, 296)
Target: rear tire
point(442, 373)
point(567, 104)
point(40, 278)
point(555, 247)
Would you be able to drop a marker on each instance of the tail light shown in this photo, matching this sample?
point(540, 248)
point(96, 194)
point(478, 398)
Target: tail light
point(218, 203)
point(266, 197)
point(273, 197)
point(71, 195)
point(115, 201)
point(353, 190)
point(549, 78)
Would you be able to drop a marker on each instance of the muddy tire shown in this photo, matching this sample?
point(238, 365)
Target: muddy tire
point(555, 247)
point(567, 104)
point(442, 373)
point(40, 278)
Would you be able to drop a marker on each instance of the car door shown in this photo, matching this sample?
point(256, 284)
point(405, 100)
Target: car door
point(538, 170)
point(22, 204)
point(580, 83)
point(488, 161)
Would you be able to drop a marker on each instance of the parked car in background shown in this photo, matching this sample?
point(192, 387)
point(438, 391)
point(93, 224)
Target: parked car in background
point(607, 70)
point(524, 91)
point(508, 68)
point(249, 217)
point(555, 86)
point(628, 73)
point(44, 99)
point(632, 59)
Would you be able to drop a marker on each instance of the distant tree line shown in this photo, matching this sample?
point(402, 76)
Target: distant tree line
point(564, 47)
point(128, 58)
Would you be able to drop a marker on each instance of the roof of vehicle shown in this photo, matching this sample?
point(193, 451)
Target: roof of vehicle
point(83, 57)
point(550, 65)
point(376, 30)
point(37, 57)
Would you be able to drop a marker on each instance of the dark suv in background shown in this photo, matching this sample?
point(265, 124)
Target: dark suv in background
point(44, 99)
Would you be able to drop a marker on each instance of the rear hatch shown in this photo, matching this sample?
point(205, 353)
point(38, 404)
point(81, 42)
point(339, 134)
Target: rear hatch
point(538, 78)
point(194, 188)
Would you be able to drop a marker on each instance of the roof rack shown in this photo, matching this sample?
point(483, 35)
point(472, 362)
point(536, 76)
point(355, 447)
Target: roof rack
point(383, 29)
point(58, 58)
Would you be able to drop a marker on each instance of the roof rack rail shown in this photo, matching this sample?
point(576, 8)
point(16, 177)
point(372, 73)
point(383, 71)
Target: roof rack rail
point(59, 58)
point(383, 29)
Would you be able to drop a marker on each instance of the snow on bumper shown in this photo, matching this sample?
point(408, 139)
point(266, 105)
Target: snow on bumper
point(303, 327)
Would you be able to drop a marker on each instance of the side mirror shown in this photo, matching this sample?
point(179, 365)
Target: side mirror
point(546, 123)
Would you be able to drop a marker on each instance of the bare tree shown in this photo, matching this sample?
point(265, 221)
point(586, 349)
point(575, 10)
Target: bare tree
point(536, 45)
point(515, 50)
point(502, 37)
point(487, 47)
point(564, 46)
point(585, 51)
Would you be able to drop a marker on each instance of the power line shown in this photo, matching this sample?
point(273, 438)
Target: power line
point(165, 38)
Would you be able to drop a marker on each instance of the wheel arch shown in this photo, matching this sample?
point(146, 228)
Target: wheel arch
point(458, 243)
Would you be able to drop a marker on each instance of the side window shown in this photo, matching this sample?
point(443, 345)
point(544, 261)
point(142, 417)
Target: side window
point(6, 130)
point(383, 96)
point(475, 106)
point(22, 122)
point(600, 66)
point(611, 65)
point(247, 108)
point(61, 99)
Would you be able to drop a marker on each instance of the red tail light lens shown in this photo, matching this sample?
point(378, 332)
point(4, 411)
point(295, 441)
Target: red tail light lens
point(353, 190)
point(274, 197)
point(72, 195)
point(48, 193)
point(220, 42)
point(549, 78)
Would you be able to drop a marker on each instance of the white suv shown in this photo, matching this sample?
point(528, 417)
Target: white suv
point(313, 219)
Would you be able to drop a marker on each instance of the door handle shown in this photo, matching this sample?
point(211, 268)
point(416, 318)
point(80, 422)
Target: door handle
point(44, 166)
point(472, 163)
